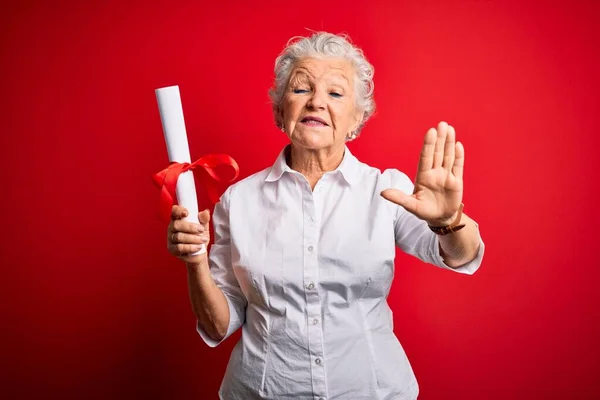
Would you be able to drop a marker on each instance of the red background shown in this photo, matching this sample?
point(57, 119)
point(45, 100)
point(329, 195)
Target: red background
point(94, 307)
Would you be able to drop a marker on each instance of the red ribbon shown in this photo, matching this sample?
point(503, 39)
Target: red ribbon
point(166, 179)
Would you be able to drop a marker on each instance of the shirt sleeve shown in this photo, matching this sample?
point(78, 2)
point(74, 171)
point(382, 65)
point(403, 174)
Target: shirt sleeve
point(222, 272)
point(414, 237)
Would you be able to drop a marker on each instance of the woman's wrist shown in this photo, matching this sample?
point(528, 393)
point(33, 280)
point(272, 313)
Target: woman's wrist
point(444, 227)
point(444, 221)
point(196, 266)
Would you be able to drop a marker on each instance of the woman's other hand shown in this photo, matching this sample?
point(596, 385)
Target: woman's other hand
point(185, 238)
point(439, 185)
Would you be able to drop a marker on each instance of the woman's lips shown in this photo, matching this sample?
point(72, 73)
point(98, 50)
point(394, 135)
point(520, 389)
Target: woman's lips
point(313, 121)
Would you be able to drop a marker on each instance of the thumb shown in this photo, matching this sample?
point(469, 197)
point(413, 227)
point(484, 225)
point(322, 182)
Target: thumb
point(204, 217)
point(401, 198)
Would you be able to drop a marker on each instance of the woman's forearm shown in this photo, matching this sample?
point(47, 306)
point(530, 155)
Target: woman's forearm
point(460, 247)
point(208, 301)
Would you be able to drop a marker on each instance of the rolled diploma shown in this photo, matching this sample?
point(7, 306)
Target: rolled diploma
point(171, 115)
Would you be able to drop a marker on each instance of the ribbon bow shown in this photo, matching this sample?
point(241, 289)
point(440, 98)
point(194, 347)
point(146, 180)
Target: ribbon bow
point(166, 179)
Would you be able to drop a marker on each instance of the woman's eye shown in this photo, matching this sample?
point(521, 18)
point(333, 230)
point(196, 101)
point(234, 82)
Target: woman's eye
point(300, 91)
point(335, 94)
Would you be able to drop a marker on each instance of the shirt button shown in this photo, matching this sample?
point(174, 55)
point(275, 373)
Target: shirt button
point(310, 286)
point(310, 248)
point(315, 321)
point(318, 361)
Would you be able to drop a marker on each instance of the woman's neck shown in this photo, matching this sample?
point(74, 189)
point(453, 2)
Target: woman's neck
point(314, 163)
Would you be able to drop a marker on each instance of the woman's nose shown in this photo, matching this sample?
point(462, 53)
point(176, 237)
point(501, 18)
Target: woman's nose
point(317, 100)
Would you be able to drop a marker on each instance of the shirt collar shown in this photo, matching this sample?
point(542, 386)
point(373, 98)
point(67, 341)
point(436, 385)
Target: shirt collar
point(349, 167)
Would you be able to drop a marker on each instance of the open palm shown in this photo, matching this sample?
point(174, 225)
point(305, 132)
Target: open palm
point(438, 186)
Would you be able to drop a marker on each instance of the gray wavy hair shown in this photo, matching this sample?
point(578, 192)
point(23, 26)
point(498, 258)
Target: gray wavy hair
point(320, 45)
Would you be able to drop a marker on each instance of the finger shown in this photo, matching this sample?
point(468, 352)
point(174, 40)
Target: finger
point(400, 198)
point(178, 212)
point(449, 148)
point(187, 227)
point(438, 153)
point(204, 218)
point(185, 249)
point(459, 161)
point(426, 160)
point(186, 238)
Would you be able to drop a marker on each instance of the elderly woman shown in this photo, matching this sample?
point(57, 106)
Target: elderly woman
point(303, 254)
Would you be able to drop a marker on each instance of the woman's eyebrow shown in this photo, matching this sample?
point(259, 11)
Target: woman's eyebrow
point(303, 72)
point(302, 75)
point(296, 75)
point(345, 78)
point(338, 78)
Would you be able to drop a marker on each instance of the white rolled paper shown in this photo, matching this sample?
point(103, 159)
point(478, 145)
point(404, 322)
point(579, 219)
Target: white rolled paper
point(171, 115)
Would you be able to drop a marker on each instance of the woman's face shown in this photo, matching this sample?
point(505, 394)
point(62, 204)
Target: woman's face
point(319, 105)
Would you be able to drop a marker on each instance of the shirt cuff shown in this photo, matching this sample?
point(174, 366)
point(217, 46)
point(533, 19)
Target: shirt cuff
point(469, 268)
point(234, 323)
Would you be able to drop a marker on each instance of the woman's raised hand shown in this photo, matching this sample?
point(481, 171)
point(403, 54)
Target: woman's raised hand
point(185, 238)
point(439, 185)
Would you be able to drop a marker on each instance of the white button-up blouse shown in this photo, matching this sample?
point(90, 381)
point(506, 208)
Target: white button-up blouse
point(307, 274)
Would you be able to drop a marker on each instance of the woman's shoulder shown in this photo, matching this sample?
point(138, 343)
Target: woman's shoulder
point(390, 177)
point(397, 178)
point(248, 185)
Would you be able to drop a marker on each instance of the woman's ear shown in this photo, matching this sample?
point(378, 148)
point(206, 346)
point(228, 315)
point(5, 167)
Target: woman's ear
point(358, 118)
point(279, 118)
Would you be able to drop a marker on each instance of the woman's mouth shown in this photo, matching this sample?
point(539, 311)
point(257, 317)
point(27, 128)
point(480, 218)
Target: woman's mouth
point(313, 121)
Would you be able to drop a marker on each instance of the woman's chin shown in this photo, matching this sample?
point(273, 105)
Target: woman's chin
point(314, 140)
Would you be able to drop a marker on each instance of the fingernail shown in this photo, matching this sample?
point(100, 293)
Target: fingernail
point(204, 239)
point(200, 228)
